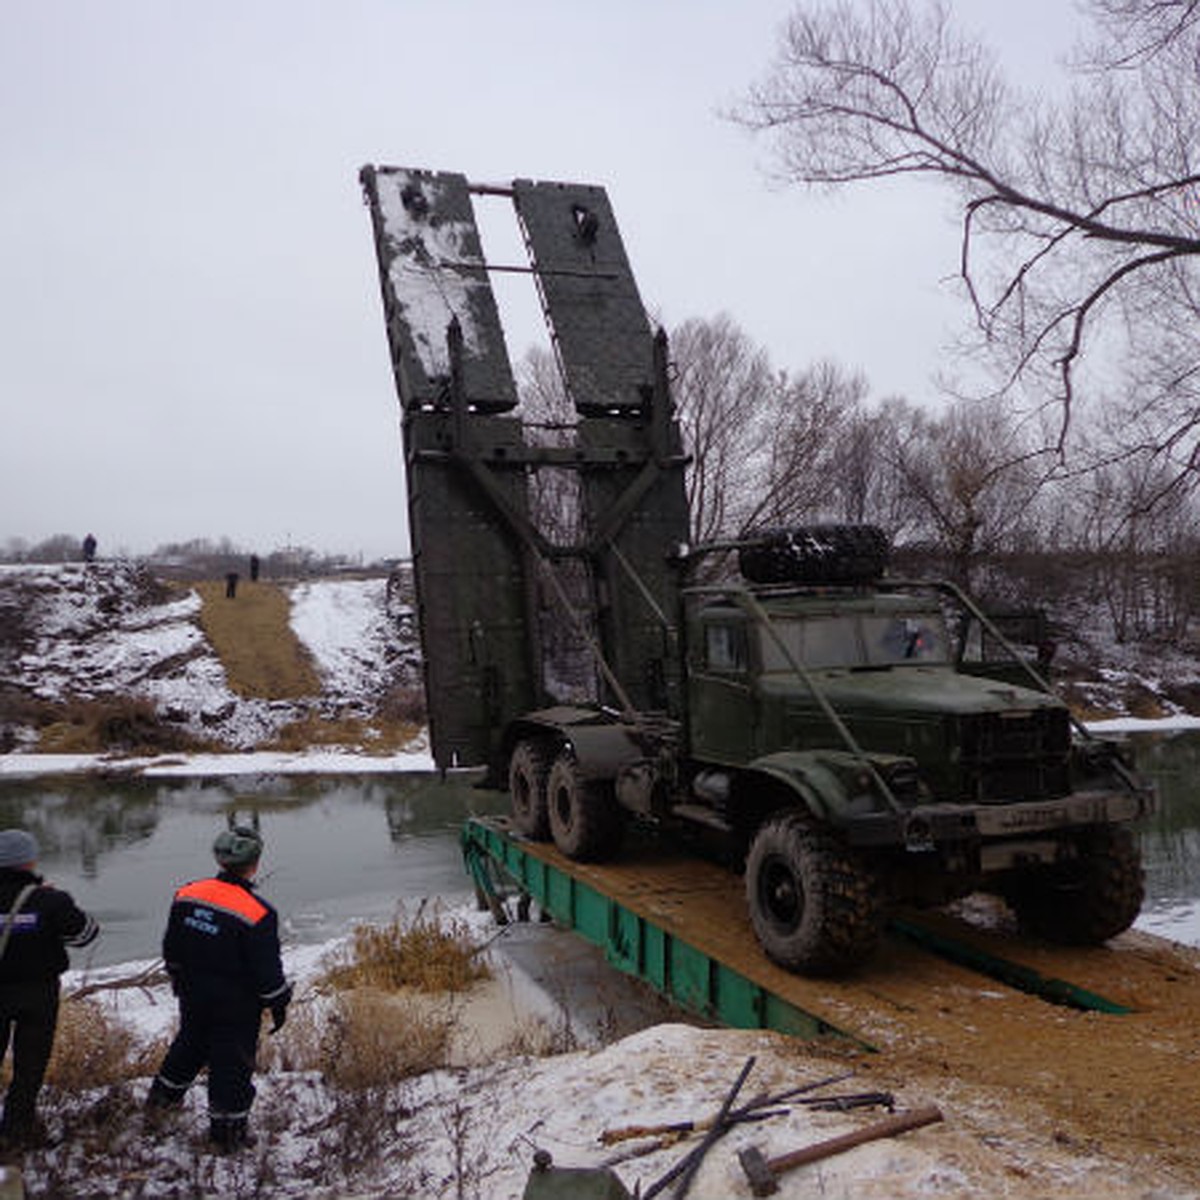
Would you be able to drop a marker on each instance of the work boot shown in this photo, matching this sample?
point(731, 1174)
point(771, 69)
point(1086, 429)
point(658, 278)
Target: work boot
point(161, 1109)
point(17, 1137)
point(229, 1134)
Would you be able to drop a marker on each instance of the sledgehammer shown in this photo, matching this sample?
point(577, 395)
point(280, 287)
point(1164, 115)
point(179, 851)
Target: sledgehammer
point(764, 1172)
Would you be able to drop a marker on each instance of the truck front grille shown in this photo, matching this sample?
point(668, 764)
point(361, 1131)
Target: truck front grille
point(1005, 757)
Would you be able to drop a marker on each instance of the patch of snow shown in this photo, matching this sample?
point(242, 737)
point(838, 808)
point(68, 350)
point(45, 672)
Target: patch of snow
point(263, 762)
point(1177, 921)
point(1175, 723)
point(346, 626)
point(429, 289)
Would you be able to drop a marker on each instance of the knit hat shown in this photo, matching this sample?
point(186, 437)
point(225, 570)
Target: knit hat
point(17, 848)
point(238, 846)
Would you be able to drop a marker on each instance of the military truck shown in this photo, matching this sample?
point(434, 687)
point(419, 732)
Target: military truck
point(821, 721)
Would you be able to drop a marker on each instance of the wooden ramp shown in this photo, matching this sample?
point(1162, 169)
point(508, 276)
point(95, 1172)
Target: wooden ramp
point(681, 924)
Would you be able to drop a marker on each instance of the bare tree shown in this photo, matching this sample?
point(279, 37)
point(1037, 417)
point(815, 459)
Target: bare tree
point(1139, 29)
point(809, 428)
point(1079, 225)
point(868, 486)
point(1134, 556)
point(972, 478)
point(549, 420)
point(728, 399)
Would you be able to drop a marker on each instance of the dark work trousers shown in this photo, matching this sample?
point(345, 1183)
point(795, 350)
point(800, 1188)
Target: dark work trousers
point(225, 1041)
point(28, 1016)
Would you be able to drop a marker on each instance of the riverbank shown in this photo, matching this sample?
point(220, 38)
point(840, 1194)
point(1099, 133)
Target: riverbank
point(104, 660)
point(524, 1078)
point(352, 760)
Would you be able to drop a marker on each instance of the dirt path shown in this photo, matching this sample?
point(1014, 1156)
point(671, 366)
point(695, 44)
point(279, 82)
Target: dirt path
point(262, 657)
point(1125, 1086)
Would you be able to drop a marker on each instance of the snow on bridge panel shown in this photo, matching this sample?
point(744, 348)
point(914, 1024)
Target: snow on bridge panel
point(432, 270)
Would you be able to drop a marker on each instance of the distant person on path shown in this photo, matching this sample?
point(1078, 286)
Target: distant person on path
point(39, 922)
point(89, 549)
point(254, 568)
point(231, 582)
point(222, 954)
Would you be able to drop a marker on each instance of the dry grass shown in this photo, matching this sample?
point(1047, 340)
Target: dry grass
point(91, 1050)
point(262, 657)
point(423, 954)
point(380, 736)
point(374, 1039)
point(385, 1009)
point(123, 724)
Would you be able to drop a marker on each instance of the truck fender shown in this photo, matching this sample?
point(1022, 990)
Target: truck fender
point(601, 748)
point(827, 783)
point(603, 751)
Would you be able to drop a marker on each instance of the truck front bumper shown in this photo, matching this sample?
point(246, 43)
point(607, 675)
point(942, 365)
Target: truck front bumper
point(929, 825)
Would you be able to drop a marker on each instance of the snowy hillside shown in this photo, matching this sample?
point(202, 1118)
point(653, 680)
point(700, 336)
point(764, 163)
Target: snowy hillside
point(112, 630)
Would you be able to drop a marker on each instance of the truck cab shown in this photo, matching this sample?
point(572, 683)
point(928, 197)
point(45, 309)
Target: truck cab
point(884, 662)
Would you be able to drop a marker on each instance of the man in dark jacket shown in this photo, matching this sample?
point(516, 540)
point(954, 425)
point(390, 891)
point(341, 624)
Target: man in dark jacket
point(222, 954)
point(38, 922)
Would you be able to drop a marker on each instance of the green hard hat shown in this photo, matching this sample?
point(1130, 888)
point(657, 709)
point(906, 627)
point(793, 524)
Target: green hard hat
point(238, 846)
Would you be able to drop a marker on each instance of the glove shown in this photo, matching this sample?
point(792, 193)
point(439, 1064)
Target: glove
point(279, 1011)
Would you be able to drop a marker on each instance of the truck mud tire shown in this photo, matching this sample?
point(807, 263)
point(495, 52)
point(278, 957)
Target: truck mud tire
point(528, 771)
point(815, 554)
point(586, 821)
point(813, 903)
point(1085, 902)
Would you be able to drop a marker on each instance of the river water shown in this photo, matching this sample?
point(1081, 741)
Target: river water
point(339, 848)
point(342, 848)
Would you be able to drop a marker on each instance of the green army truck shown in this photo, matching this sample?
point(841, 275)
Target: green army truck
point(825, 722)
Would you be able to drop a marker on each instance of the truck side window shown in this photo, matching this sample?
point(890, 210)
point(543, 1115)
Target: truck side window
point(725, 648)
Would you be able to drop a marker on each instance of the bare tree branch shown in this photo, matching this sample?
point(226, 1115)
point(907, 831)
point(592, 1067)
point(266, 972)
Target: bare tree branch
point(1080, 226)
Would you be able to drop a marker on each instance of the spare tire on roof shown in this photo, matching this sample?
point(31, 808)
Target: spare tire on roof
point(814, 554)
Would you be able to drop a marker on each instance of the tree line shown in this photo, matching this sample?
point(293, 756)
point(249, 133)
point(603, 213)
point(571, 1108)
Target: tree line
point(969, 490)
point(195, 558)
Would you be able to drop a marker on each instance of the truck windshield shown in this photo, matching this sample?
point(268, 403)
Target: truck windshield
point(917, 638)
point(856, 640)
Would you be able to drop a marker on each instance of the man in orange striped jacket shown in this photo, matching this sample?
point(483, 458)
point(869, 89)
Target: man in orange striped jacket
point(222, 954)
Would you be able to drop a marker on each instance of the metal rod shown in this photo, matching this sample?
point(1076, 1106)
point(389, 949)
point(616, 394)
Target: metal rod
point(691, 1160)
point(487, 266)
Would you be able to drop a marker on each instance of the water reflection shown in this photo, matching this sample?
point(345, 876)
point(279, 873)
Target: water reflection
point(1171, 839)
point(339, 848)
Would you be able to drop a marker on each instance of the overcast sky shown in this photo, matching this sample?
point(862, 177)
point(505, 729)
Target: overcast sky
point(191, 340)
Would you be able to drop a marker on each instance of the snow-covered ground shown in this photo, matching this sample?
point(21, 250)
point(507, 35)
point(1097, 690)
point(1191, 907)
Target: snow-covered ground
point(472, 1129)
point(108, 629)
